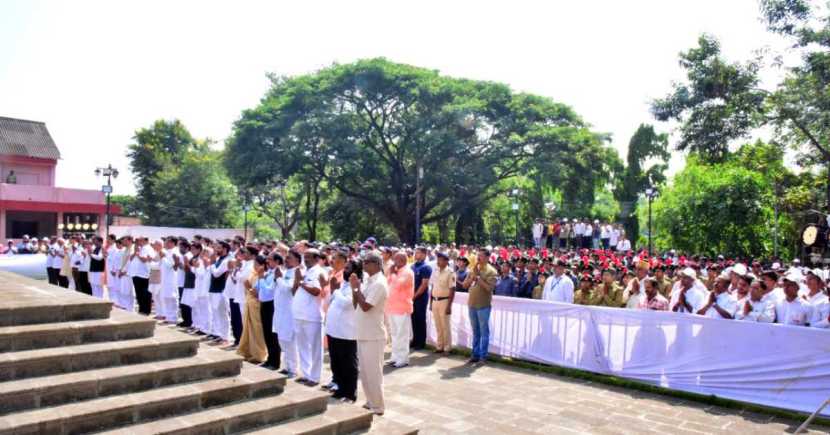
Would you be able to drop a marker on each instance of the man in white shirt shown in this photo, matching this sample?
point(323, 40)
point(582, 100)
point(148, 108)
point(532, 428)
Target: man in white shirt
point(793, 310)
point(139, 271)
point(817, 300)
point(126, 280)
point(369, 298)
point(755, 307)
point(538, 230)
point(217, 273)
point(688, 295)
point(559, 287)
point(721, 304)
point(308, 318)
point(578, 228)
point(113, 277)
point(170, 263)
point(96, 267)
point(613, 237)
point(623, 245)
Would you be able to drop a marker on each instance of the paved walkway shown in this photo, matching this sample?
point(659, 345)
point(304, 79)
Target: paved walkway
point(442, 395)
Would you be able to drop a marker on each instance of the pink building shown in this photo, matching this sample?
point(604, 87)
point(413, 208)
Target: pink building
point(29, 201)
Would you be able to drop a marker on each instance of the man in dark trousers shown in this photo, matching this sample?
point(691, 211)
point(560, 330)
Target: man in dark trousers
point(420, 300)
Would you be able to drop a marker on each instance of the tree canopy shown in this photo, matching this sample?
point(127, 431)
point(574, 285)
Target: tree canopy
point(364, 129)
point(179, 179)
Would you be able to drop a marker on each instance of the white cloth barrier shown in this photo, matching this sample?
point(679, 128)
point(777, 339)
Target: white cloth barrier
point(767, 364)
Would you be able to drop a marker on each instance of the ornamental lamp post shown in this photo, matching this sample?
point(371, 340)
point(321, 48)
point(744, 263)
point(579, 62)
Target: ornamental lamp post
point(651, 193)
point(110, 173)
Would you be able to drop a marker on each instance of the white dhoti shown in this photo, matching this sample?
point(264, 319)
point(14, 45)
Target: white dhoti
point(308, 337)
point(169, 297)
point(400, 329)
point(219, 321)
point(201, 314)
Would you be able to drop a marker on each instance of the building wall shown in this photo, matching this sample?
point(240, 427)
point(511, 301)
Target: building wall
point(29, 171)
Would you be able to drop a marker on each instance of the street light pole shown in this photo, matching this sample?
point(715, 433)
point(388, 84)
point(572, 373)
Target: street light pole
point(110, 173)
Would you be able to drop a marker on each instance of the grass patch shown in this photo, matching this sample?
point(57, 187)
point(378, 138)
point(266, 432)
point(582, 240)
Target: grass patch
point(648, 388)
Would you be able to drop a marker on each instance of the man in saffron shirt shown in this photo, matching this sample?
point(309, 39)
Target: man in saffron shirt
point(399, 305)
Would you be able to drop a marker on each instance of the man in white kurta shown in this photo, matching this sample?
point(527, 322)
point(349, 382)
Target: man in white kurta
point(688, 295)
point(170, 262)
point(308, 318)
point(283, 324)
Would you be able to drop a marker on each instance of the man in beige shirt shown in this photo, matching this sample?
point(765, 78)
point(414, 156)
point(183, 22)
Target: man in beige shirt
point(481, 281)
point(369, 299)
point(443, 293)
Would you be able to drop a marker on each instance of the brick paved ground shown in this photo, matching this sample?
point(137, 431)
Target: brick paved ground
point(442, 395)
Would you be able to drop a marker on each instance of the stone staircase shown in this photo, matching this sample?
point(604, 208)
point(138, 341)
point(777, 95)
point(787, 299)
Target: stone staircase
point(69, 364)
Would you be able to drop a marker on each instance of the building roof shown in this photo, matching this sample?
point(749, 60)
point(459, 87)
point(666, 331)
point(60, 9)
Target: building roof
point(19, 137)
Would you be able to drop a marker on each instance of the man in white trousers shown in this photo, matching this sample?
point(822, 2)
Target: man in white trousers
point(218, 276)
point(399, 306)
point(309, 291)
point(96, 267)
point(283, 324)
point(170, 262)
point(369, 299)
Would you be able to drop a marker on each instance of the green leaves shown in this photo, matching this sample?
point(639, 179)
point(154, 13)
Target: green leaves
point(365, 128)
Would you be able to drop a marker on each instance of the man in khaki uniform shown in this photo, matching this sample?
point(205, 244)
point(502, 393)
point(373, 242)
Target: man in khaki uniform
point(443, 292)
point(481, 281)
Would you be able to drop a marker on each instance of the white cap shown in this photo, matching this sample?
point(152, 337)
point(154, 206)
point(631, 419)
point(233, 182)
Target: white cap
point(740, 269)
point(776, 266)
point(689, 272)
point(724, 276)
point(793, 277)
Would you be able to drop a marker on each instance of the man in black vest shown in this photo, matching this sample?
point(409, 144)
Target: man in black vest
point(96, 266)
point(218, 300)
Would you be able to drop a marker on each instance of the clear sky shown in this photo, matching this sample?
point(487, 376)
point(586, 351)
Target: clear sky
point(95, 71)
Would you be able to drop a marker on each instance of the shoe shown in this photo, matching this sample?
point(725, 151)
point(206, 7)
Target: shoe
point(289, 375)
point(480, 362)
point(347, 400)
point(267, 365)
point(198, 332)
point(390, 363)
point(331, 386)
point(308, 383)
point(472, 360)
point(283, 372)
point(301, 380)
point(400, 366)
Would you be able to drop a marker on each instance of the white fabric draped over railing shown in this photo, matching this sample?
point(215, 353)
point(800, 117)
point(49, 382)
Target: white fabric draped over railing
point(767, 364)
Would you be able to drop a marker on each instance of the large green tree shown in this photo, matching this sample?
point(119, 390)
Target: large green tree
point(645, 147)
point(715, 208)
point(155, 148)
point(722, 101)
point(180, 180)
point(366, 128)
point(196, 193)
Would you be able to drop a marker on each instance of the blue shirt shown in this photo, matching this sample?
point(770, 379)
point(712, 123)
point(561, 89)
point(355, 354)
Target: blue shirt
point(506, 286)
point(265, 287)
point(422, 272)
point(460, 277)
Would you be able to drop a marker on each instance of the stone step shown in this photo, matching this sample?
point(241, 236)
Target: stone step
point(27, 301)
point(237, 417)
point(119, 326)
point(339, 418)
point(111, 412)
point(166, 344)
point(26, 394)
point(384, 426)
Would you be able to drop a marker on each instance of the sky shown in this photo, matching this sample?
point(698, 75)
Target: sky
point(95, 71)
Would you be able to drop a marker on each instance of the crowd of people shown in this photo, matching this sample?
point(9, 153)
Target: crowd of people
point(282, 305)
